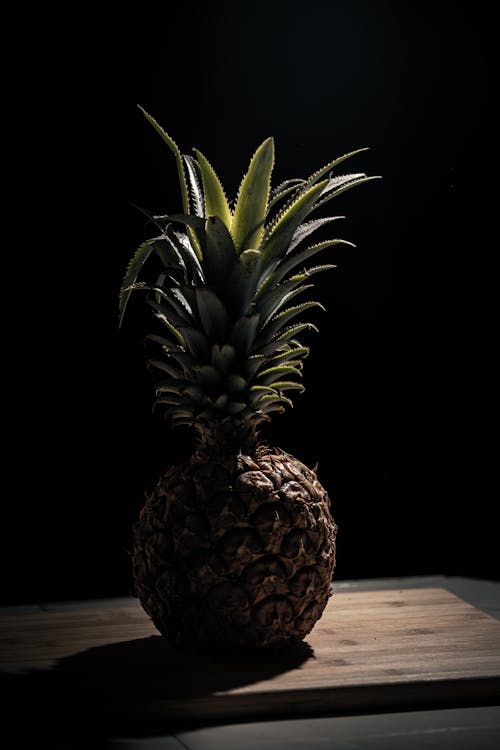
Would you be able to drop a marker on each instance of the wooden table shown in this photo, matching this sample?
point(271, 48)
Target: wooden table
point(102, 667)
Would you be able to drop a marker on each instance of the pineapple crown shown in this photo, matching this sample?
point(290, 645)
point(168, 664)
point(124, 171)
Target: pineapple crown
point(230, 353)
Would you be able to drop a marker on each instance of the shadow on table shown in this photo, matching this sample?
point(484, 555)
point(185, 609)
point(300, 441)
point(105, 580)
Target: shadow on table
point(137, 687)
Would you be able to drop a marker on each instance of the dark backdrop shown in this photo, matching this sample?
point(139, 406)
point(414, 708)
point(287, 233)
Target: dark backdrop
point(400, 409)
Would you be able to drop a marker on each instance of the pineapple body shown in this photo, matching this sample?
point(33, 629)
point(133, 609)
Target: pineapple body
point(235, 552)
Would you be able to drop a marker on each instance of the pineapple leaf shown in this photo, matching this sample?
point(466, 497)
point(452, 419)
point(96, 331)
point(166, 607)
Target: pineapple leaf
point(270, 348)
point(196, 343)
point(242, 283)
point(250, 211)
point(278, 321)
point(275, 399)
point(242, 334)
point(235, 407)
point(266, 409)
point(182, 315)
point(180, 170)
point(299, 351)
point(311, 271)
point(288, 333)
point(328, 167)
point(223, 357)
point(297, 258)
point(189, 294)
point(167, 312)
point(183, 245)
point(253, 364)
point(343, 188)
point(208, 376)
point(178, 157)
point(173, 330)
point(269, 304)
point(169, 386)
point(195, 187)
point(281, 231)
point(169, 399)
point(221, 402)
point(195, 226)
point(173, 351)
point(304, 230)
point(274, 373)
point(216, 203)
point(335, 182)
point(213, 314)
point(170, 257)
point(258, 391)
point(219, 255)
point(180, 296)
point(288, 385)
point(133, 270)
point(235, 383)
point(284, 189)
point(287, 357)
point(278, 190)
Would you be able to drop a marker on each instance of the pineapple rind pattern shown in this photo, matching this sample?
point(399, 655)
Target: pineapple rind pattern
point(238, 553)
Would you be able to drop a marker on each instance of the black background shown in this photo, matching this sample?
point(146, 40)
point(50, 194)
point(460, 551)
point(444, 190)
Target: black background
point(400, 409)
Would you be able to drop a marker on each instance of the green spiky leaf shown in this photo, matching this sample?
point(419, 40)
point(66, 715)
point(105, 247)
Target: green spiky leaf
point(213, 315)
point(208, 376)
point(177, 311)
point(259, 391)
point(216, 203)
point(234, 383)
point(297, 259)
point(133, 270)
point(184, 248)
point(178, 157)
point(304, 230)
point(271, 374)
point(288, 385)
point(223, 357)
point(290, 353)
point(313, 179)
point(279, 192)
point(250, 212)
point(219, 256)
point(170, 327)
point(270, 303)
point(312, 271)
point(292, 331)
point(272, 399)
point(283, 228)
point(242, 283)
point(196, 343)
point(281, 319)
point(167, 312)
point(180, 170)
point(195, 188)
point(242, 335)
point(343, 189)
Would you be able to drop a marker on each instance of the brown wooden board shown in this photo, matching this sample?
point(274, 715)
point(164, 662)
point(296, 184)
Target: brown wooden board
point(371, 651)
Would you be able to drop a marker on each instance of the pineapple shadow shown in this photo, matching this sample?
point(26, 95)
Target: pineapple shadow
point(136, 688)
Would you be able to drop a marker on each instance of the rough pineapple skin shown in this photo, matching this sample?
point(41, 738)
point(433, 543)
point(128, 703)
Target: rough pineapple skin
point(235, 552)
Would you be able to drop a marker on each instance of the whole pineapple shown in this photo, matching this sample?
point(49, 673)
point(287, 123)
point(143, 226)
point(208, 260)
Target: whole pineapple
point(235, 547)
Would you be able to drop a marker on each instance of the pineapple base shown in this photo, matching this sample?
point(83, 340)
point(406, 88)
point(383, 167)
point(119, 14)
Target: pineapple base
point(236, 552)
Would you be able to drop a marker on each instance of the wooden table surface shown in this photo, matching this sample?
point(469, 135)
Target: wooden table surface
point(106, 666)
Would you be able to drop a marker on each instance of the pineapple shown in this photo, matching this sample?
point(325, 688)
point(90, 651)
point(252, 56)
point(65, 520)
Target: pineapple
point(234, 548)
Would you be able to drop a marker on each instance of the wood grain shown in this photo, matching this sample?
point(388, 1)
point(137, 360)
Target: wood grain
point(371, 650)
